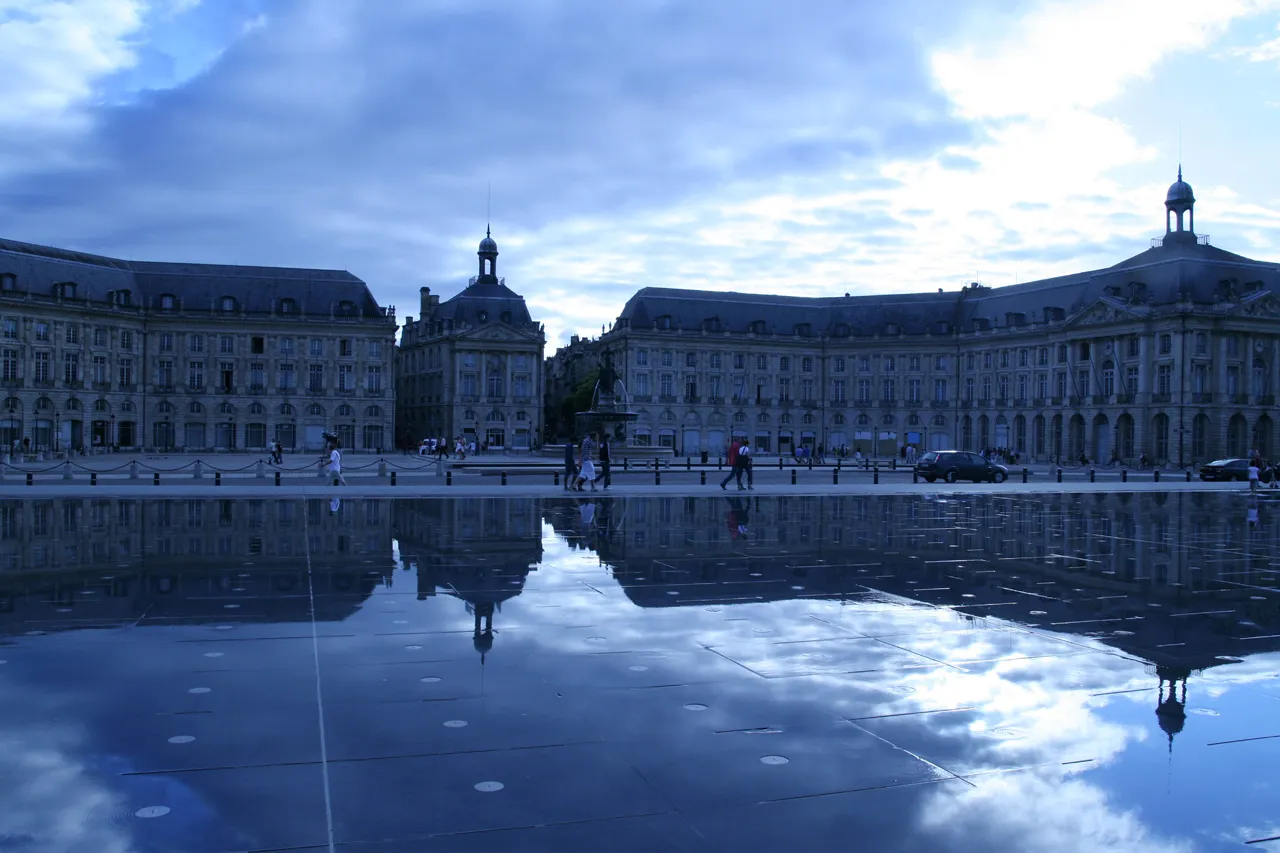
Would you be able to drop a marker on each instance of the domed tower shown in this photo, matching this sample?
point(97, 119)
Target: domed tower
point(489, 256)
point(1180, 200)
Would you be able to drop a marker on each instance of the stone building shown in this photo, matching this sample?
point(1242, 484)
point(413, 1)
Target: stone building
point(563, 372)
point(471, 366)
point(1172, 352)
point(99, 353)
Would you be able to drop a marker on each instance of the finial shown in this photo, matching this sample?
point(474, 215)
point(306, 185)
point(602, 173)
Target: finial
point(487, 234)
point(1179, 171)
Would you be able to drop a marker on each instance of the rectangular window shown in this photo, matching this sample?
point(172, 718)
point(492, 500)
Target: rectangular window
point(1042, 385)
point(1233, 345)
point(940, 362)
point(837, 391)
point(887, 391)
point(164, 374)
point(257, 377)
point(806, 364)
point(1166, 344)
point(968, 388)
point(10, 365)
point(1082, 382)
point(346, 347)
point(126, 372)
point(715, 361)
point(1233, 380)
point(968, 361)
point(913, 364)
point(1084, 350)
point(315, 377)
point(521, 385)
point(126, 341)
point(940, 390)
point(691, 359)
point(346, 381)
point(1060, 383)
point(784, 363)
point(196, 343)
point(1135, 347)
point(99, 369)
point(1202, 343)
point(286, 377)
point(375, 349)
point(889, 363)
point(99, 337)
point(1004, 388)
point(717, 386)
point(762, 362)
point(1022, 387)
point(1131, 380)
point(864, 391)
point(986, 388)
point(195, 375)
point(373, 377)
point(1042, 357)
point(642, 384)
point(1199, 378)
point(226, 344)
point(864, 363)
point(668, 359)
point(1004, 358)
point(257, 345)
point(806, 390)
point(70, 366)
point(642, 357)
point(666, 389)
point(42, 367)
point(1164, 379)
point(690, 387)
point(316, 348)
point(497, 384)
point(286, 346)
point(986, 361)
point(73, 333)
point(913, 390)
point(1062, 353)
point(1024, 357)
point(11, 330)
point(784, 389)
point(470, 385)
point(227, 376)
point(42, 331)
point(839, 364)
point(166, 342)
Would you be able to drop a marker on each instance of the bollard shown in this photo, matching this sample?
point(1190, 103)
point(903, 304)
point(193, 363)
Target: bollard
point(155, 478)
point(277, 478)
point(504, 478)
point(1093, 476)
point(655, 463)
point(779, 461)
point(703, 479)
point(31, 479)
point(66, 470)
point(657, 475)
point(335, 481)
point(719, 463)
point(1024, 475)
point(555, 478)
point(93, 478)
point(382, 467)
point(915, 478)
point(875, 475)
point(217, 478)
point(133, 470)
point(793, 476)
point(448, 478)
point(393, 478)
point(1156, 475)
point(688, 464)
point(1188, 476)
point(1059, 475)
point(198, 471)
point(262, 470)
point(893, 464)
point(1124, 475)
point(626, 464)
point(810, 463)
point(835, 476)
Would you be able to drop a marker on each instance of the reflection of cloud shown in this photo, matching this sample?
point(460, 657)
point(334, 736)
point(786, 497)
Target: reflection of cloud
point(51, 801)
point(1045, 809)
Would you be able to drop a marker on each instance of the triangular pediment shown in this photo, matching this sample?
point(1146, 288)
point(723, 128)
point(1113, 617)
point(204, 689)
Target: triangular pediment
point(1103, 312)
point(1262, 304)
point(496, 332)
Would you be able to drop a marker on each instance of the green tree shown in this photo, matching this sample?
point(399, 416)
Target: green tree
point(577, 401)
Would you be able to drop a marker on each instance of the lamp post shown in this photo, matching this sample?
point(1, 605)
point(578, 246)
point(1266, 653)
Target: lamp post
point(57, 431)
point(111, 434)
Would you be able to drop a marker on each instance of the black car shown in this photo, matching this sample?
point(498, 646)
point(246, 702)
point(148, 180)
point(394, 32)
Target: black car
point(953, 465)
point(1232, 469)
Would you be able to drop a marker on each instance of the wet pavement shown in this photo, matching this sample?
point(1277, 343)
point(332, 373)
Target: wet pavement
point(890, 673)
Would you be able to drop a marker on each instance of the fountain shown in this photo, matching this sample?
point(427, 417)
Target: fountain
point(609, 412)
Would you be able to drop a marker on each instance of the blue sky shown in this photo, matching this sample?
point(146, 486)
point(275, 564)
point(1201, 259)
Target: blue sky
point(815, 148)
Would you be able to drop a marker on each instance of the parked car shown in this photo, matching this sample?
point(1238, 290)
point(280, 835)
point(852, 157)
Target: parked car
point(1231, 469)
point(953, 465)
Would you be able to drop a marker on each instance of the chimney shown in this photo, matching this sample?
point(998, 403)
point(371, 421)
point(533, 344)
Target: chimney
point(424, 300)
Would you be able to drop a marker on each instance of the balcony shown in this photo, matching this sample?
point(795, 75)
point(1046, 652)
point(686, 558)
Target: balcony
point(1162, 398)
point(164, 388)
point(225, 389)
point(1038, 402)
point(1201, 397)
point(888, 404)
point(257, 388)
point(43, 383)
point(914, 404)
point(642, 398)
point(1124, 399)
point(1055, 401)
point(315, 392)
point(966, 404)
point(378, 392)
point(785, 403)
point(469, 398)
point(839, 404)
point(1002, 402)
point(1240, 399)
point(101, 385)
point(1265, 400)
point(1020, 403)
point(11, 383)
point(940, 404)
point(716, 401)
point(287, 390)
point(666, 398)
point(347, 392)
point(692, 399)
point(1075, 400)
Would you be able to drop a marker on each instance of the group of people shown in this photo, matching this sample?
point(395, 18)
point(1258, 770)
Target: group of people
point(440, 447)
point(739, 464)
point(580, 463)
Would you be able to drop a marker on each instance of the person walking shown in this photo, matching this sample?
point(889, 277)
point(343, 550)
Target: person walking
point(335, 464)
point(744, 463)
point(1253, 475)
point(586, 468)
point(603, 453)
point(734, 449)
point(570, 465)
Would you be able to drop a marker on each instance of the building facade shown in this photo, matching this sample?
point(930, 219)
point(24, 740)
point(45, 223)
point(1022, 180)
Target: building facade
point(471, 366)
point(1172, 353)
point(101, 353)
point(563, 372)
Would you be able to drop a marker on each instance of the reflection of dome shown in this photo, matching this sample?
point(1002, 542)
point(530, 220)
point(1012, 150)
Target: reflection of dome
point(1180, 192)
point(1171, 711)
point(483, 641)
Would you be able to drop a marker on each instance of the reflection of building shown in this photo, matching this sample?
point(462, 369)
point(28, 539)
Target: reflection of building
point(1173, 352)
point(90, 562)
point(479, 550)
point(163, 356)
point(472, 365)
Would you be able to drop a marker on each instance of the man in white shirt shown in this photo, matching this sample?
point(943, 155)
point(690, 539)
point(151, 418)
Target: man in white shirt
point(744, 464)
point(335, 464)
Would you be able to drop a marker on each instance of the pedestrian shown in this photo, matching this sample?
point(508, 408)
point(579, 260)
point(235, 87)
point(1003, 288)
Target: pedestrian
point(734, 448)
point(586, 468)
point(604, 461)
point(335, 463)
point(570, 466)
point(744, 464)
point(1253, 475)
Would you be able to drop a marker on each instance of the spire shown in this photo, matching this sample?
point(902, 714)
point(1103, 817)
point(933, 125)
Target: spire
point(1179, 171)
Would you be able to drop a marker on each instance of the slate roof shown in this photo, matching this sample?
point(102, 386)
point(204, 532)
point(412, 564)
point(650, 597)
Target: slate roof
point(1179, 268)
point(488, 294)
point(197, 286)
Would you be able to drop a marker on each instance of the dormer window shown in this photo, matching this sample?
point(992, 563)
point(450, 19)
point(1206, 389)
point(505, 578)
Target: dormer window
point(842, 330)
point(757, 327)
point(124, 298)
point(482, 316)
point(288, 306)
point(802, 330)
point(664, 322)
point(228, 303)
point(711, 324)
point(8, 281)
point(66, 289)
point(892, 329)
point(168, 302)
point(506, 317)
point(346, 308)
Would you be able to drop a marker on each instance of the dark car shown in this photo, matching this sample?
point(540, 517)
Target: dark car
point(953, 465)
point(1232, 469)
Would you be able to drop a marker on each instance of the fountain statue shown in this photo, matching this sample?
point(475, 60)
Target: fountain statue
point(609, 412)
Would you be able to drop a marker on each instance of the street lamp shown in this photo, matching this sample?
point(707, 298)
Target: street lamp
point(111, 434)
point(57, 431)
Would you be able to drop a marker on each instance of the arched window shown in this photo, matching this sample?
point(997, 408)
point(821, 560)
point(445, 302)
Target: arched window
point(226, 409)
point(506, 317)
point(762, 418)
point(1259, 377)
point(164, 408)
point(939, 420)
point(257, 409)
point(887, 420)
point(126, 406)
point(495, 417)
point(195, 409)
point(913, 420)
point(864, 420)
point(522, 416)
point(73, 405)
point(373, 412)
point(98, 406)
point(168, 302)
point(44, 404)
point(346, 308)
point(12, 404)
point(345, 411)
point(838, 420)
point(316, 410)
point(286, 409)
point(739, 417)
point(469, 415)
point(228, 303)
point(808, 419)
point(785, 418)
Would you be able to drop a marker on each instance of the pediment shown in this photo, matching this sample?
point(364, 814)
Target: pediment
point(495, 332)
point(1103, 312)
point(1264, 305)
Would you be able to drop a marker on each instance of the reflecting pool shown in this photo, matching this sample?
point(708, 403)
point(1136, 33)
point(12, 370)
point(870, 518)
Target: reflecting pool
point(1052, 673)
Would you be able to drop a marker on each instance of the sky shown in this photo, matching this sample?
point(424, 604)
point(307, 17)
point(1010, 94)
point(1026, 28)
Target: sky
point(826, 147)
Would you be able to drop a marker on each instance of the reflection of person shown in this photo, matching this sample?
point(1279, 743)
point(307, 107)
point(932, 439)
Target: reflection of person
point(1251, 517)
point(737, 519)
point(335, 504)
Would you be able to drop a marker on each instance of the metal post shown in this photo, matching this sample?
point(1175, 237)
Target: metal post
point(1156, 475)
point(217, 478)
point(1093, 476)
point(1124, 475)
point(262, 470)
point(793, 476)
point(657, 475)
point(1059, 475)
point(915, 478)
point(1188, 476)
point(198, 471)
point(382, 467)
point(31, 479)
point(448, 478)
point(719, 463)
point(703, 479)
point(93, 478)
point(875, 475)
point(133, 470)
point(626, 464)
point(893, 464)
point(155, 478)
point(66, 470)
point(393, 478)
point(688, 464)
point(555, 478)
point(277, 478)
point(779, 461)
point(1024, 475)
point(835, 476)
point(504, 478)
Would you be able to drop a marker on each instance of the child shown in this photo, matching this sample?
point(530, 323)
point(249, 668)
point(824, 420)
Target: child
point(1253, 475)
